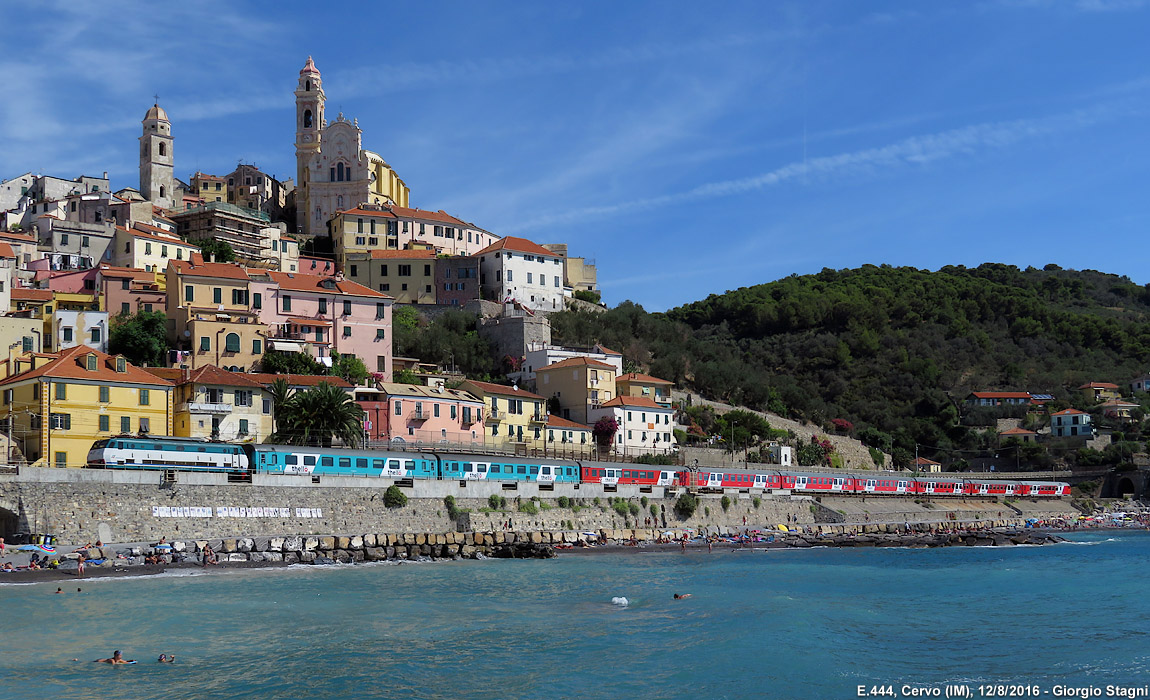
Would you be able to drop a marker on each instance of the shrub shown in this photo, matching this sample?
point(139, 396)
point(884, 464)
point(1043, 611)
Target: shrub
point(725, 502)
point(877, 456)
point(643, 501)
point(494, 501)
point(686, 505)
point(595, 500)
point(654, 511)
point(528, 508)
point(707, 511)
point(663, 460)
point(757, 501)
point(564, 502)
point(635, 509)
point(449, 503)
point(620, 507)
point(394, 498)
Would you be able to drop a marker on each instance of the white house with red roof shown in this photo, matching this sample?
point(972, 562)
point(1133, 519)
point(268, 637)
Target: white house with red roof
point(544, 354)
point(515, 270)
point(1071, 423)
point(645, 427)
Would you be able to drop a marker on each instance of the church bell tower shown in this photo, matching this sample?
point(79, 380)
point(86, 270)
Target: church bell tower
point(157, 179)
point(309, 102)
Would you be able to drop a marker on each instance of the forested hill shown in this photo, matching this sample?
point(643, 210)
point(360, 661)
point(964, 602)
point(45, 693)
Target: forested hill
point(882, 347)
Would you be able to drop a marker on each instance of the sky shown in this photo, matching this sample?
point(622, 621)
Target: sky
point(687, 148)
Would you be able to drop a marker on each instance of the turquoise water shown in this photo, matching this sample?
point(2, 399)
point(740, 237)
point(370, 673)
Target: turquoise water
point(779, 624)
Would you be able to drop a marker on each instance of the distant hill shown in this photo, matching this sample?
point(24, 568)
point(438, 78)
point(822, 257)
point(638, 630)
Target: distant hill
point(889, 349)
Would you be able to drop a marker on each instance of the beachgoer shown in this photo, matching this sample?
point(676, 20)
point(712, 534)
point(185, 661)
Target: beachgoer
point(59, 590)
point(682, 596)
point(78, 590)
point(8, 566)
point(117, 658)
point(167, 658)
point(1, 546)
point(710, 546)
point(80, 567)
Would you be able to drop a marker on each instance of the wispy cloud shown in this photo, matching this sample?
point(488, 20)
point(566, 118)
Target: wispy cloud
point(915, 151)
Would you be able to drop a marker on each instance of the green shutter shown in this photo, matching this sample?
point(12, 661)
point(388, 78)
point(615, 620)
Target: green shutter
point(104, 423)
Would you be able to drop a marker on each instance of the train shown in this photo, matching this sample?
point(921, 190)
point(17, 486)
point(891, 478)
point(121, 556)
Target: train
point(192, 454)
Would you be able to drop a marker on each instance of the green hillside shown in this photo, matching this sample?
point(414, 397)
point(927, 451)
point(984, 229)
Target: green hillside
point(892, 350)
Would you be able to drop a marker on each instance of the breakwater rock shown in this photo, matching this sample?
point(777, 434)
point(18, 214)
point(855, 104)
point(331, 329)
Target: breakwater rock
point(970, 538)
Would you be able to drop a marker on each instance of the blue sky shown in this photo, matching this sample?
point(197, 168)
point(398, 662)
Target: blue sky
point(689, 148)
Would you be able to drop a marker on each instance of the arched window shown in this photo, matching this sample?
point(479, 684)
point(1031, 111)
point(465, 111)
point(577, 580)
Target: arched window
point(232, 342)
point(161, 191)
point(163, 148)
point(339, 202)
point(307, 86)
point(307, 119)
point(339, 172)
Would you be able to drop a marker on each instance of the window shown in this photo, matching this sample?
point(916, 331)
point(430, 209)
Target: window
point(385, 287)
point(323, 306)
point(243, 398)
point(257, 300)
point(257, 346)
point(240, 297)
point(217, 295)
point(189, 293)
point(307, 115)
point(105, 394)
point(67, 333)
point(373, 241)
point(61, 421)
point(125, 308)
point(27, 343)
point(383, 270)
point(163, 249)
point(380, 334)
point(354, 270)
point(528, 278)
point(232, 342)
point(404, 270)
point(121, 365)
point(96, 334)
point(61, 391)
point(85, 242)
point(61, 459)
point(347, 308)
point(243, 427)
point(287, 303)
point(398, 408)
point(380, 311)
point(104, 424)
point(63, 236)
point(147, 248)
point(205, 343)
point(435, 410)
point(347, 331)
point(145, 397)
point(556, 280)
point(360, 240)
point(427, 270)
point(145, 425)
point(125, 424)
point(508, 276)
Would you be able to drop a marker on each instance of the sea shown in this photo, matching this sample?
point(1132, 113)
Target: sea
point(816, 623)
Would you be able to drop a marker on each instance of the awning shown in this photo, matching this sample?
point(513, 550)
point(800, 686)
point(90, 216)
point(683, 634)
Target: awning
point(286, 346)
point(325, 361)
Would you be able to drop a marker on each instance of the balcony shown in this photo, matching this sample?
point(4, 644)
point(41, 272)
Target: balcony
point(538, 418)
point(419, 415)
point(495, 415)
point(204, 407)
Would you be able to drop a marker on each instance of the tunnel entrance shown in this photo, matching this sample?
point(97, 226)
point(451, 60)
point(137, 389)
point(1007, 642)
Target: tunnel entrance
point(1126, 488)
point(8, 524)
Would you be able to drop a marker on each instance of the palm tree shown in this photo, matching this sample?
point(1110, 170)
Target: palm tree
point(319, 416)
point(281, 395)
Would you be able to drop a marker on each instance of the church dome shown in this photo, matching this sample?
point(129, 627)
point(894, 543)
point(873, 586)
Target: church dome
point(309, 67)
point(156, 112)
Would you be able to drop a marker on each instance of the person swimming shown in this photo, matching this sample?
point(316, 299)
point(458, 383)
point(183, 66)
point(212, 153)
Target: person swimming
point(167, 659)
point(681, 596)
point(117, 658)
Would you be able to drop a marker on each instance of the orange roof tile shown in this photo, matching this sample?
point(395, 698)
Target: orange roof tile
point(519, 245)
point(26, 294)
point(208, 374)
point(6, 251)
point(1001, 394)
point(119, 272)
point(72, 364)
point(163, 236)
point(502, 390)
point(356, 211)
point(1018, 431)
point(402, 254)
point(634, 402)
point(1069, 412)
point(197, 268)
point(1098, 385)
point(923, 461)
point(575, 362)
point(425, 214)
point(607, 351)
point(21, 237)
point(642, 378)
point(321, 284)
point(554, 421)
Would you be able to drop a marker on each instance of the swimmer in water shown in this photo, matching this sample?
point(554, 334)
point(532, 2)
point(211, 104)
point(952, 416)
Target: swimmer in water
point(682, 596)
point(117, 658)
point(167, 658)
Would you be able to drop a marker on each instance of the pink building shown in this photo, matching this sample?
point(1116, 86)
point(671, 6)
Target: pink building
point(129, 291)
point(420, 414)
point(321, 315)
point(66, 281)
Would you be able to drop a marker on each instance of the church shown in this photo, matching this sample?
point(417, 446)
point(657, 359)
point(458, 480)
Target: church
point(333, 171)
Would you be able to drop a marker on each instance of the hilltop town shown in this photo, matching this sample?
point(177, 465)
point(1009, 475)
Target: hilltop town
point(172, 308)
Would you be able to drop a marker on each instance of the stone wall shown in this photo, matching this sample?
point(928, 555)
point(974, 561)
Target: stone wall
point(511, 335)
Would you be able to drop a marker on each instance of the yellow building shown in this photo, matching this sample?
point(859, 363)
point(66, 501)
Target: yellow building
point(213, 315)
point(221, 405)
point(645, 386)
point(579, 383)
point(1100, 391)
point(407, 275)
point(210, 188)
point(514, 417)
point(58, 405)
point(145, 247)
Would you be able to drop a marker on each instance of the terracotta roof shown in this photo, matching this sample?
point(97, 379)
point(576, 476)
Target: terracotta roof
point(208, 374)
point(148, 228)
point(426, 392)
point(23, 237)
point(1018, 431)
point(1001, 394)
point(366, 212)
point(299, 379)
point(198, 268)
point(402, 254)
point(163, 236)
point(519, 245)
point(643, 378)
point(576, 362)
point(1098, 385)
point(72, 364)
point(554, 421)
point(634, 402)
point(440, 215)
point(315, 283)
point(923, 461)
point(26, 294)
point(6, 251)
point(1069, 412)
point(1119, 403)
point(118, 272)
point(320, 264)
point(607, 351)
point(501, 390)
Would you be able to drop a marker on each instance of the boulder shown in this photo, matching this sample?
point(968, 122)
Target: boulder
point(245, 545)
point(229, 546)
point(326, 544)
point(179, 546)
point(343, 543)
point(290, 558)
point(294, 544)
point(368, 540)
point(275, 544)
point(306, 557)
point(235, 556)
point(261, 544)
point(374, 554)
point(273, 556)
point(342, 556)
point(256, 556)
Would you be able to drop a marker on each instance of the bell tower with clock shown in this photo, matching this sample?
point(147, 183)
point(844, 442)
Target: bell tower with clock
point(309, 102)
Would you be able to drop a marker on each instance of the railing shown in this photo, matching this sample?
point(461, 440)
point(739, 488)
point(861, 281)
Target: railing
point(206, 407)
point(538, 418)
point(496, 414)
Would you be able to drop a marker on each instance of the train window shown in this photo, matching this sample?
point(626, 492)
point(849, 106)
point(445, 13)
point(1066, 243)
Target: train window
point(467, 467)
point(522, 469)
point(547, 470)
point(377, 463)
point(343, 461)
point(327, 461)
point(291, 459)
point(534, 470)
point(570, 471)
point(361, 463)
point(495, 468)
point(309, 460)
point(409, 464)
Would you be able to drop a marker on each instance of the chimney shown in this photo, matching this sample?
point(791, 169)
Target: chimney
point(105, 174)
point(187, 373)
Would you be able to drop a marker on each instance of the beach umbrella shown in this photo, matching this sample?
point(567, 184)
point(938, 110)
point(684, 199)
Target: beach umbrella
point(43, 549)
